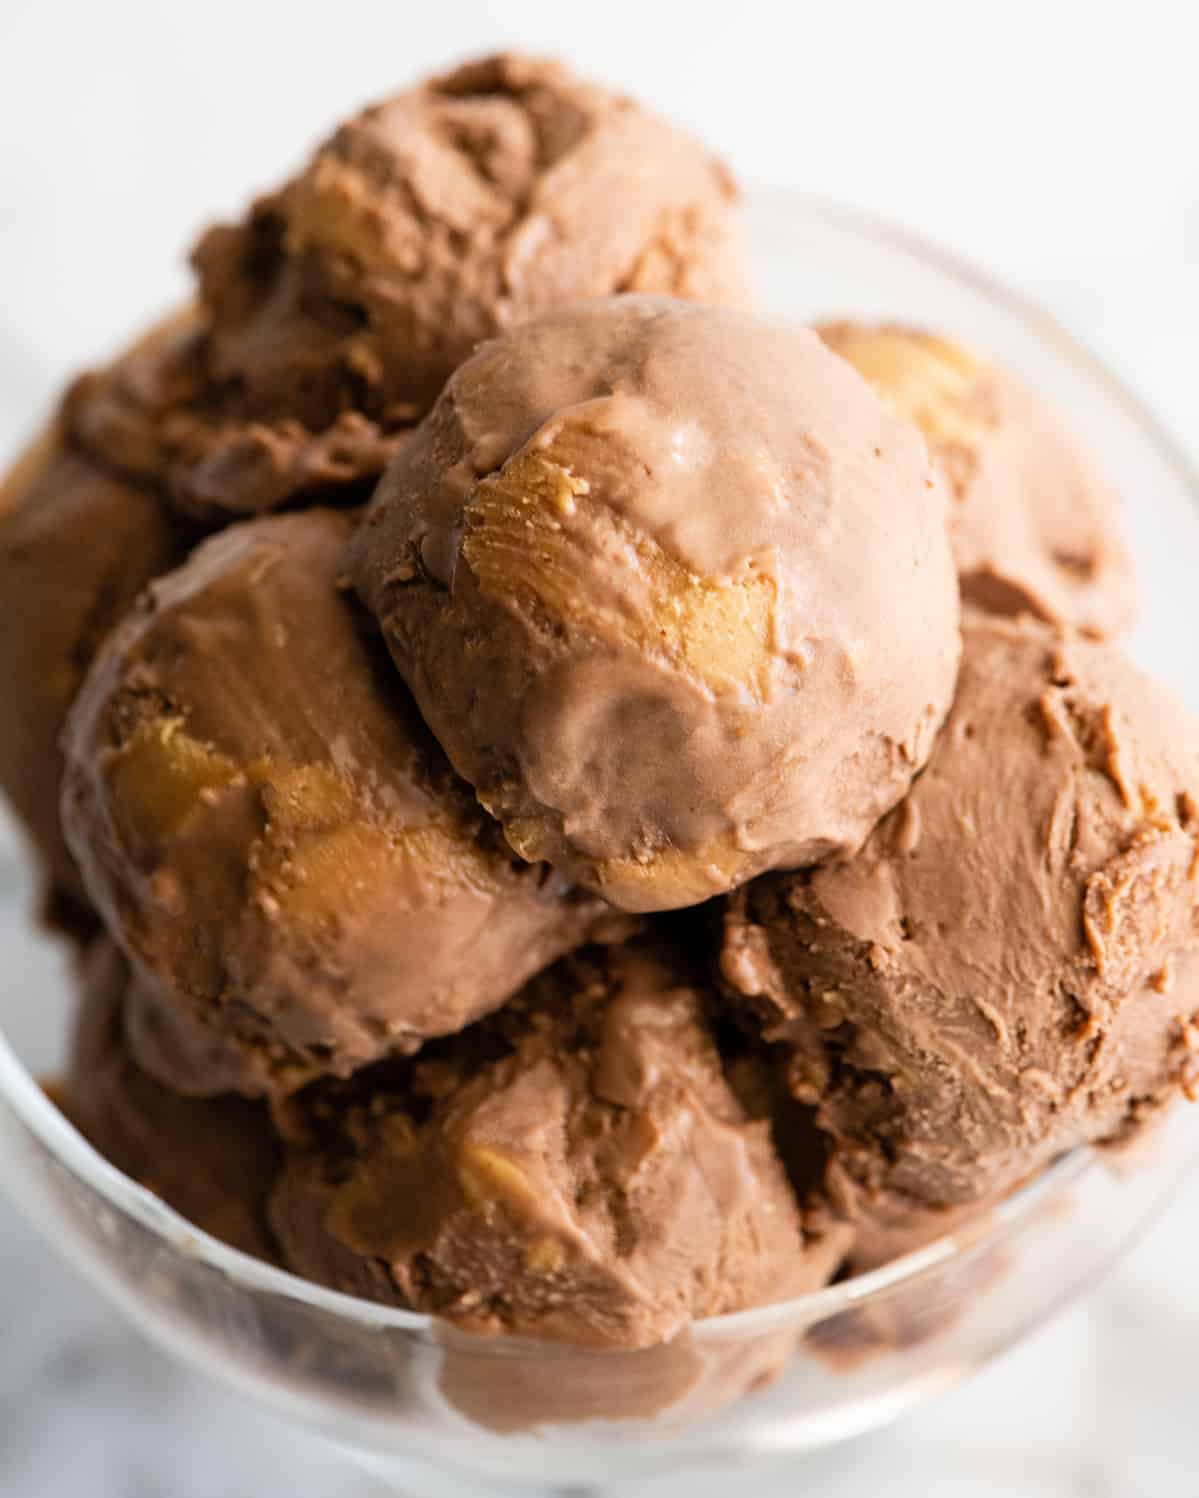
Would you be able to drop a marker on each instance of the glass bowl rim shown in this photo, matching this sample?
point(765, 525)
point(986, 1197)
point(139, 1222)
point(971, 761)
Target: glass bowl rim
point(36, 1112)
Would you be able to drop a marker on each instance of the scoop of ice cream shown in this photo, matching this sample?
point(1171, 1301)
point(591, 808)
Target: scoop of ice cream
point(277, 842)
point(672, 589)
point(1035, 528)
point(334, 313)
point(1009, 967)
point(212, 1160)
point(484, 196)
point(576, 1167)
point(76, 547)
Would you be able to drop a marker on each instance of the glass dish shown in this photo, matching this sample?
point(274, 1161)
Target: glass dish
point(435, 1411)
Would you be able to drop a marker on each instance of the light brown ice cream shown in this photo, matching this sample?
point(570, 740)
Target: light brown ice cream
point(76, 547)
point(1010, 967)
point(213, 1160)
point(275, 839)
point(577, 1167)
point(1035, 527)
point(331, 317)
point(522, 1386)
point(672, 589)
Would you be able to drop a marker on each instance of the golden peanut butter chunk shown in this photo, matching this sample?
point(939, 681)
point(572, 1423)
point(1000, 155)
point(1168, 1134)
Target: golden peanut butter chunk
point(1035, 527)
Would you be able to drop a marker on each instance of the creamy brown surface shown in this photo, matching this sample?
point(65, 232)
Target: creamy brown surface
point(1010, 967)
point(649, 569)
point(525, 1386)
point(273, 836)
point(576, 1167)
point(228, 445)
point(331, 316)
point(76, 547)
point(1035, 528)
point(213, 1160)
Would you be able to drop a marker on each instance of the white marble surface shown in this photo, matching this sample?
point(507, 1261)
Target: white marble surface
point(1055, 146)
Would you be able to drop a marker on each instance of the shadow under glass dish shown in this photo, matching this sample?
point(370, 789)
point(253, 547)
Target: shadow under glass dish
point(436, 1411)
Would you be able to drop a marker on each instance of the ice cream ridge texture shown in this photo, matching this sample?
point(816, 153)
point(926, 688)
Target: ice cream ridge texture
point(577, 806)
point(1010, 966)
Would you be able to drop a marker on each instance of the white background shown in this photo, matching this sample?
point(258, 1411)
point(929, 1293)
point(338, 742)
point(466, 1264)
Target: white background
point(1058, 144)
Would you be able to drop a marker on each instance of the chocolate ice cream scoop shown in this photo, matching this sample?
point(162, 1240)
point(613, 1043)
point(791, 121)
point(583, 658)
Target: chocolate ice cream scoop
point(333, 314)
point(273, 836)
point(1035, 528)
point(672, 588)
point(576, 1167)
point(76, 547)
point(212, 1160)
point(225, 445)
point(1010, 966)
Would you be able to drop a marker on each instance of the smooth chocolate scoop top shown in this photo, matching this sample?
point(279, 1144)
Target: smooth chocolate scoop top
point(648, 569)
